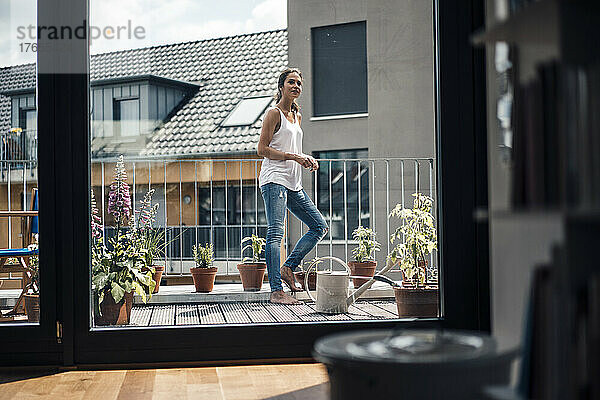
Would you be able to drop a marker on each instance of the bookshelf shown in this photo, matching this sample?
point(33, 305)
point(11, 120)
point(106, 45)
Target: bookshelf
point(565, 26)
point(536, 23)
point(544, 200)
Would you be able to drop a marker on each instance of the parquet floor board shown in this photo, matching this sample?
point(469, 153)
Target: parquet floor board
point(288, 381)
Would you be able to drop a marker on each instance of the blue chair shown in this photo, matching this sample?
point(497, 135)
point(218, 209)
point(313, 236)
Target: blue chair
point(29, 227)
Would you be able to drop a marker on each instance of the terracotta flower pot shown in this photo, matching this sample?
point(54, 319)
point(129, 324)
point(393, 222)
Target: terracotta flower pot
point(252, 276)
point(366, 268)
point(413, 302)
point(312, 279)
point(204, 278)
point(32, 307)
point(157, 276)
point(115, 313)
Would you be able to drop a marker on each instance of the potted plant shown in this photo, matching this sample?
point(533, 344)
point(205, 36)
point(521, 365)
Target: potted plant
point(364, 264)
point(415, 297)
point(252, 271)
point(32, 296)
point(149, 239)
point(117, 262)
point(203, 273)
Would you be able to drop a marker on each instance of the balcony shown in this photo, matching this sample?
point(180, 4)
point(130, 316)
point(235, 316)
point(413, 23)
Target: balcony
point(219, 201)
point(18, 148)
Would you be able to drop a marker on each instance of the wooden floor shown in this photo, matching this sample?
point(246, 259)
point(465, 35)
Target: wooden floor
point(247, 313)
point(282, 382)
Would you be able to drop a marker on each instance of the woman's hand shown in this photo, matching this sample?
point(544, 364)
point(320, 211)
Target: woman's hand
point(314, 163)
point(307, 161)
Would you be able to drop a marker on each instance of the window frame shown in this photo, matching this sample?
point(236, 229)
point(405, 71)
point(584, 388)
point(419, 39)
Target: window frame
point(117, 101)
point(237, 106)
point(65, 179)
point(316, 114)
point(23, 116)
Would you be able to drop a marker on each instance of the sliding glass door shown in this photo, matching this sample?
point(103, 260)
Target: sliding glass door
point(149, 127)
point(30, 324)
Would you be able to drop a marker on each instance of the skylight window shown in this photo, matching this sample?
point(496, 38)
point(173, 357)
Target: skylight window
point(247, 111)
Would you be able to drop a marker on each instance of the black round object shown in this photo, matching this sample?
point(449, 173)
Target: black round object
point(412, 364)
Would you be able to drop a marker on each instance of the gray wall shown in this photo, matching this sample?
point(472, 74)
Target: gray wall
point(400, 121)
point(400, 76)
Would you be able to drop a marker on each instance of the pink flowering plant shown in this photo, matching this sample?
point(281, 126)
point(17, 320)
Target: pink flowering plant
point(119, 199)
point(97, 227)
point(149, 240)
point(118, 263)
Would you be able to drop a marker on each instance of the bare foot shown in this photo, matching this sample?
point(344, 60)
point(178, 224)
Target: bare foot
point(289, 278)
point(280, 297)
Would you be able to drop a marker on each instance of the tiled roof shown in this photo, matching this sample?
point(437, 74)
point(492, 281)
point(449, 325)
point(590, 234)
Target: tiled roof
point(16, 77)
point(229, 70)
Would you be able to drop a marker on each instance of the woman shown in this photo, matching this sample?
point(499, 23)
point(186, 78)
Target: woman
point(280, 182)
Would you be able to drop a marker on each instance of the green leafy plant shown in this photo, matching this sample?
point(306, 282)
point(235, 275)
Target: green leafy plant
point(257, 244)
point(367, 245)
point(119, 271)
point(203, 255)
point(418, 237)
point(118, 263)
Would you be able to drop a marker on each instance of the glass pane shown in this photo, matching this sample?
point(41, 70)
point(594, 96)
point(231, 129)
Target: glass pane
point(185, 108)
point(129, 117)
point(247, 111)
point(341, 47)
point(19, 265)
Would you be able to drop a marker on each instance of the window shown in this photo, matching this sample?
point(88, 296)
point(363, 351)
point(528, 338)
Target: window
point(28, 119)
point(246, 213)
point(247, 111)
point(339, 73)
point(331, 197)
point(23, 146)
point(126, 115)
point(200, 105)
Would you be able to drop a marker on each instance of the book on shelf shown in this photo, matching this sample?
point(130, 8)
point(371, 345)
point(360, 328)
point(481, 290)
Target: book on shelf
point(557, 138)
point(561, 344)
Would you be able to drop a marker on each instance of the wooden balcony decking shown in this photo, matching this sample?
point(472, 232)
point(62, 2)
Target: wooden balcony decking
point(254, 313)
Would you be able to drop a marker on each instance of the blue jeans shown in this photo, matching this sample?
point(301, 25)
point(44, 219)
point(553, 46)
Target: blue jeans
point(277, 198)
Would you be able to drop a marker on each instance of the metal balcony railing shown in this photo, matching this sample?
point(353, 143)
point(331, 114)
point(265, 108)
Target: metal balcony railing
point(18, 145)
point(219, 201)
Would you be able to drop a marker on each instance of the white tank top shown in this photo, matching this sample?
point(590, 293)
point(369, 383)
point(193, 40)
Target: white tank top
point(284, 172)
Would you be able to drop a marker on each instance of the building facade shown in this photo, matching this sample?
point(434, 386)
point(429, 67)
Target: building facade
point(368, 94)
point(186, 116)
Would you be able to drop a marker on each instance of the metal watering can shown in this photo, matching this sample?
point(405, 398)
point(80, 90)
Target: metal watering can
point(333, 287)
